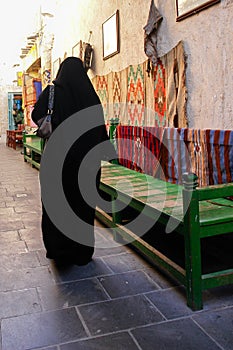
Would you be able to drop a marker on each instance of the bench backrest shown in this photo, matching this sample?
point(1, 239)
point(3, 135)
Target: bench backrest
point(167, 153)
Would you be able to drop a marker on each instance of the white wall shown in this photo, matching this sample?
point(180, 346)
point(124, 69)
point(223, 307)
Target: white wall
point(77, 18)
point(207, 38)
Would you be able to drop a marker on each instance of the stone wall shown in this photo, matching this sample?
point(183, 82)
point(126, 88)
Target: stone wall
point(207, 38)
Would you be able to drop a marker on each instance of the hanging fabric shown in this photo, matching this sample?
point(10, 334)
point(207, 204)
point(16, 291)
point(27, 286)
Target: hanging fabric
point(150, 37)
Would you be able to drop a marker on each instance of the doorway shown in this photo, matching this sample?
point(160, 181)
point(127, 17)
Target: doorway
point(14, 102)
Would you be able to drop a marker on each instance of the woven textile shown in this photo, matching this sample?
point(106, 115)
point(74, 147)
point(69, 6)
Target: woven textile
point(139, 147)
point(136, 95)
point(118, 95)
point(174, 158)
point(130, 148)
point(125, 145)
point(219, 145)
point(102, 91)
point(165, 90)
point(167, 153)
point(139, 99)
point(160, 106)
point(116, 92)
point(152, 138)
point(175, 64)
point(198, 154)
point(182, 150)
point(207, 153)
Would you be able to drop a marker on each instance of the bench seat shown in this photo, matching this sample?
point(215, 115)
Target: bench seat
point(193, 212)
point(150, 191)
point(33, 149)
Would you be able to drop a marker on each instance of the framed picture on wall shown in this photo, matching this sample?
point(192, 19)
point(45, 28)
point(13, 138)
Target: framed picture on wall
point(77, 49)
point(185, 8)
point(110, 32)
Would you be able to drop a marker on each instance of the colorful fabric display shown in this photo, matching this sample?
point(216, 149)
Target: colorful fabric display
point(219, 145)
point(167, 153)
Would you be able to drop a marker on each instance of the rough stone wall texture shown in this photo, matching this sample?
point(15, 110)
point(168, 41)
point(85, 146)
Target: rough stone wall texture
point(207, 38)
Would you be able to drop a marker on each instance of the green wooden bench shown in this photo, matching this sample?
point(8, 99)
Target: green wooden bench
point(33, 148)
point(195, 213)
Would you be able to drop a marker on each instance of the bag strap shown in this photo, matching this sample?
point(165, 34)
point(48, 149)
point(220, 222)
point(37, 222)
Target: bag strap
point(51, 99)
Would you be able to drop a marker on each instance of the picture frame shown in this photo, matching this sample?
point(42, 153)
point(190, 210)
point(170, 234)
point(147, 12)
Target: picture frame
point(56, 65)
point(185, 8)
point(110, 35)
point(77, 50)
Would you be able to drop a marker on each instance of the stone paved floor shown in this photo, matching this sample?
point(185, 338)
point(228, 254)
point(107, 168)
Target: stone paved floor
point(117, 302)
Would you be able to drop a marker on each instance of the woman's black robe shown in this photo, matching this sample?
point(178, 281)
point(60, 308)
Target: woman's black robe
point(73, 93)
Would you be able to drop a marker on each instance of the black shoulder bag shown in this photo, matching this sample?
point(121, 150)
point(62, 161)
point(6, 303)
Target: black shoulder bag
point(45, 124)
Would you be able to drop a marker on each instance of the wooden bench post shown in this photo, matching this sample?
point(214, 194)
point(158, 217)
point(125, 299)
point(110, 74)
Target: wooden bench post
point(112, 135)
point(192, 241)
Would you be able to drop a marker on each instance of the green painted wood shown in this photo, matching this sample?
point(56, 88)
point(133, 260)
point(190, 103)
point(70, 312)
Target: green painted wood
point(216, 191)
point(155, 256)
point(217, 229)
point(216, 279)
point(35, 145)
point(155, 192)
point(145, 249)
point(192, 243)
point(194, 212)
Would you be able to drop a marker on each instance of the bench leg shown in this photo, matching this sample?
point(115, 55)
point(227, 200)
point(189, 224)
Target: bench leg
point(24, 153)
point(193, 271)
point(193, 268)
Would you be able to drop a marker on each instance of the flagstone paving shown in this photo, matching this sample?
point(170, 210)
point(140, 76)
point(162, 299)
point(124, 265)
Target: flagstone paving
point(118, 301)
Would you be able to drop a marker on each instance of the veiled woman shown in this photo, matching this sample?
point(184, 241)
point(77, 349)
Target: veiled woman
point(74, 92)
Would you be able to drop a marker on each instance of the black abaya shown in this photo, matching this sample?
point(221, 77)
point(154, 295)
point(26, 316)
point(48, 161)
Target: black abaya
point(73, 93)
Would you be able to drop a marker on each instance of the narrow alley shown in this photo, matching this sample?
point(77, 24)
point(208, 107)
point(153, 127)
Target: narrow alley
point(118, 301)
